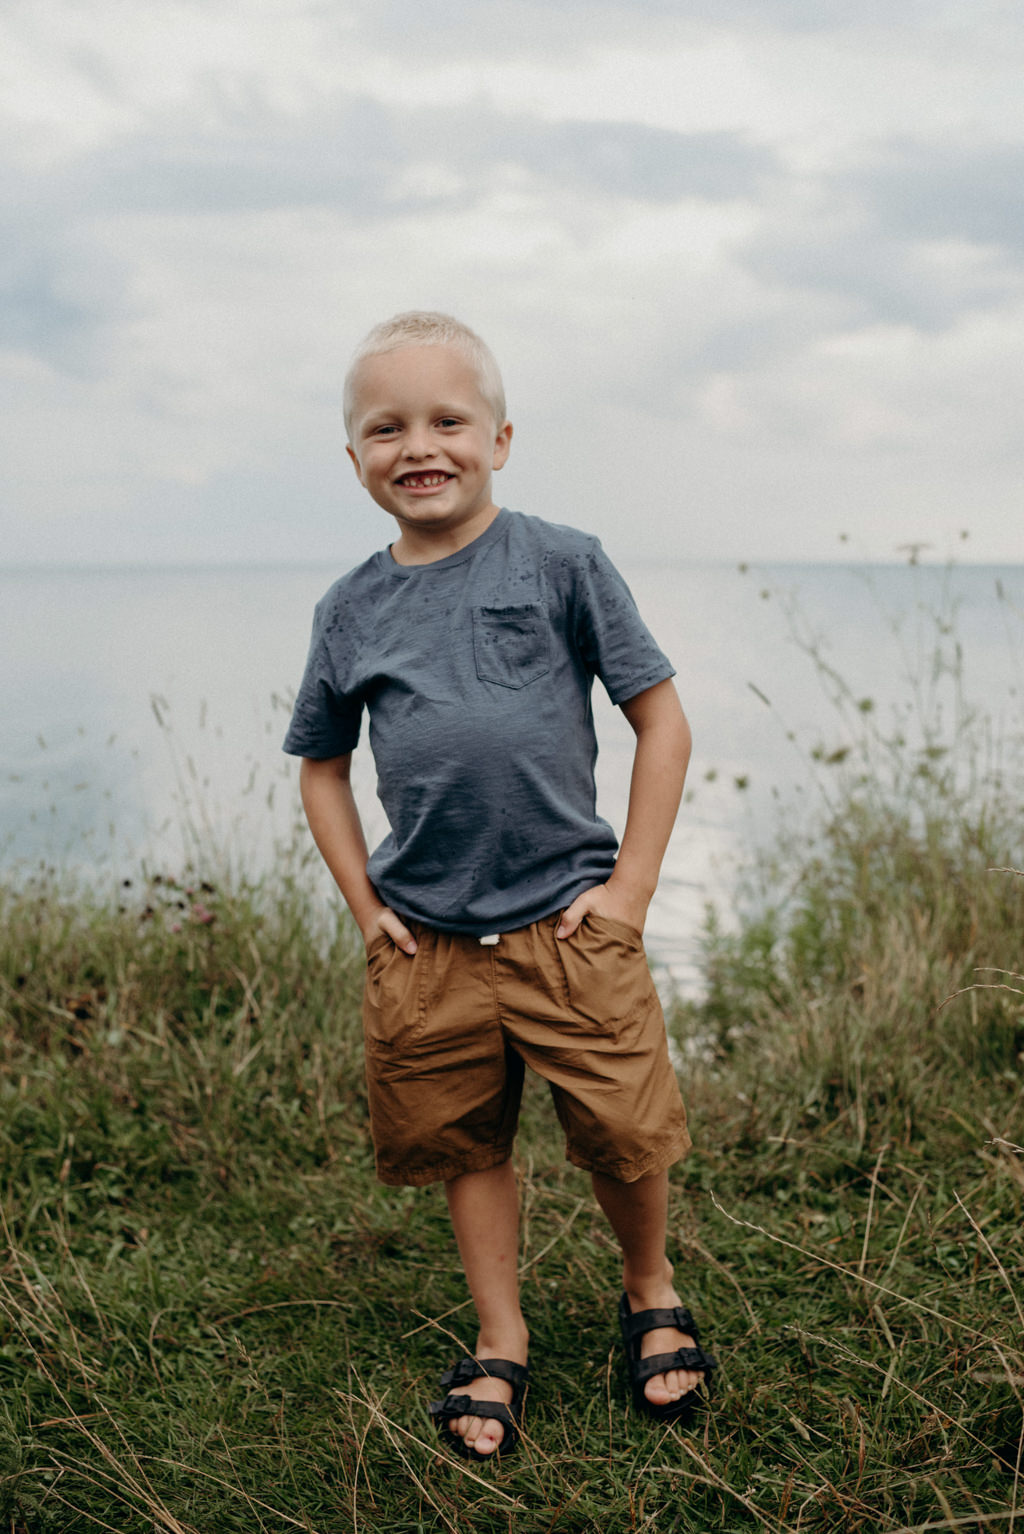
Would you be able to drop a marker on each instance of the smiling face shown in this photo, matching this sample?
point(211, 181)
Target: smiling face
point(424, 444)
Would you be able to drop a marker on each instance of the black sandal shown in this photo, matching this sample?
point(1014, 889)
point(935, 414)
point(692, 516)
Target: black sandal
point(510, 1416)
point(694, 1360)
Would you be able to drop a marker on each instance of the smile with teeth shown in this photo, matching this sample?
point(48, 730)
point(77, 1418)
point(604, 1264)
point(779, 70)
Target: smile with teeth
point(428, 480)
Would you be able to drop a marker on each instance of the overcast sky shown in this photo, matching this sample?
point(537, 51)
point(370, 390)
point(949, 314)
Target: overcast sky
point(756, 282)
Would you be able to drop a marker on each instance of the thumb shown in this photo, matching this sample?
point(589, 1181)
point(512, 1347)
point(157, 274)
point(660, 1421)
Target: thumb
point(398, 932)
point(570, 919)
point(405, 940)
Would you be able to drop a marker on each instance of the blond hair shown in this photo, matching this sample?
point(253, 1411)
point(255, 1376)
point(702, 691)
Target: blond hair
point(425, 327)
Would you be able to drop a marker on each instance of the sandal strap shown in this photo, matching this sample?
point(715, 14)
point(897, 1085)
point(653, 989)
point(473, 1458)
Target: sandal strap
point(466, 1406)
point(692, 1360)
point(636, 1323)
point(468, 1369)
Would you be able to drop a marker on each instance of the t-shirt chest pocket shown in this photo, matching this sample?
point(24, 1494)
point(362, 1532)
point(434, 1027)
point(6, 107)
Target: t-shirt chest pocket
point(511, 645)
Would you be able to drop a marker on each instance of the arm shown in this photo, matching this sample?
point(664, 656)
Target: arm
point(655, 789)
point(334, 821)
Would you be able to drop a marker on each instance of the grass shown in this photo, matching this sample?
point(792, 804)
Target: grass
point(213, 1319)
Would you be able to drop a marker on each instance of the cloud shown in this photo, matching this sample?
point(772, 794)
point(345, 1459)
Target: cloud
point(58, 291)
point(36, 314)
point(498, 28)
point(373, 161)
point(631, 160)
point(913, 235)
point(706, 247)
point(873, 277)
point(81, 238)
point(944, 191)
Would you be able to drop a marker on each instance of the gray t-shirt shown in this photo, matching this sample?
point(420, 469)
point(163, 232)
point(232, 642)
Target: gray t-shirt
point(476, 673)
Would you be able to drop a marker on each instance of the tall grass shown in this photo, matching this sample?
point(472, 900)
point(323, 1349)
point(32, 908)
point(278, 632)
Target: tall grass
point(213, 1319)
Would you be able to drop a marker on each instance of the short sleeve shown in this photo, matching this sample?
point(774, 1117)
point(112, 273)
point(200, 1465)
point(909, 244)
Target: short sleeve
point(614, 641)
point(325, 721)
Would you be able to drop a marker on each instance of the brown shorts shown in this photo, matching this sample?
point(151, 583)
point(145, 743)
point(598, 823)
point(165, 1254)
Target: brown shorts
point(449, 1030)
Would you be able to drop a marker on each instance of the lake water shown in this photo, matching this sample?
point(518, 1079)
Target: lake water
point(135, 701)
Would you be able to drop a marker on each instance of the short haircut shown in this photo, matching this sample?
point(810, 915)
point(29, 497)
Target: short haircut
point(424, 327)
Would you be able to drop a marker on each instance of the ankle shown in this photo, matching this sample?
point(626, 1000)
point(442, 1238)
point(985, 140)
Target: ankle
point(649, 1288)
point(509, 1340)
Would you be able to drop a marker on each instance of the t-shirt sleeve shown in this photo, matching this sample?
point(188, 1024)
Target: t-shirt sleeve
point(325, 721)
point(613, 639)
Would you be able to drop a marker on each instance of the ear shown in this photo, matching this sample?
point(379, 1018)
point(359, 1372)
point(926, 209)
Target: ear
point(502, 444)
point(350, 450)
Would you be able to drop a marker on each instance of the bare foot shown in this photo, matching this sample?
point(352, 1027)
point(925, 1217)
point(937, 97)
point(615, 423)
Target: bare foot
point(486, 1434)
point(662, 1389)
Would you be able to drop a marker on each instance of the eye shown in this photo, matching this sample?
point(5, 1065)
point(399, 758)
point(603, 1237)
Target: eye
point(449, 420)
point(384, 430)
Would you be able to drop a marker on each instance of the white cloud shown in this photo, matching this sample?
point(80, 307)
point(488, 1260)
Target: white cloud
point(750, 279)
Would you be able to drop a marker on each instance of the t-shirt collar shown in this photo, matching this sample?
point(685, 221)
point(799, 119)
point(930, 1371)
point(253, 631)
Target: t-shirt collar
point(390, 566)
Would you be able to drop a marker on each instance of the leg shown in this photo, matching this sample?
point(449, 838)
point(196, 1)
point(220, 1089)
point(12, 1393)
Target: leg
point(638, 1214)
point(484, 1209)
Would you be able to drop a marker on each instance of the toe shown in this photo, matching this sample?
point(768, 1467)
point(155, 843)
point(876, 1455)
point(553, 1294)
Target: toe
point(480, 1433)
point(488, 1440)
point(671, 1386)
point(459, 1426)
point(656, 1390)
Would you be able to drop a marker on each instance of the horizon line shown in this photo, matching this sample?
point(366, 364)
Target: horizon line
point(748, 562)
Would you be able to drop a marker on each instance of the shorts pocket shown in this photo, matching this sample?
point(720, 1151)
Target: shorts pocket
point(511, 645)
point(618, 929)
point(394, 1015)
point(606, 974)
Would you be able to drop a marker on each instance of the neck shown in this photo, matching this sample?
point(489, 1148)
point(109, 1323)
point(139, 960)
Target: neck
point(425, 546)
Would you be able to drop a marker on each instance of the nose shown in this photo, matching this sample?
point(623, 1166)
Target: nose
point(418, 443)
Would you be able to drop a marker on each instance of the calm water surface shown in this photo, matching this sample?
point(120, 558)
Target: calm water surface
point(137, 700)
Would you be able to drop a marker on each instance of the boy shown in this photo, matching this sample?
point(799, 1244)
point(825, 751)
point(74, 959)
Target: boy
point(500, 925)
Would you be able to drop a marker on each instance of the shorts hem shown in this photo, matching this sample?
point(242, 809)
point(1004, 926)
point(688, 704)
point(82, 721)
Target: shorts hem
point(421, 1177)
point(632, 1169)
